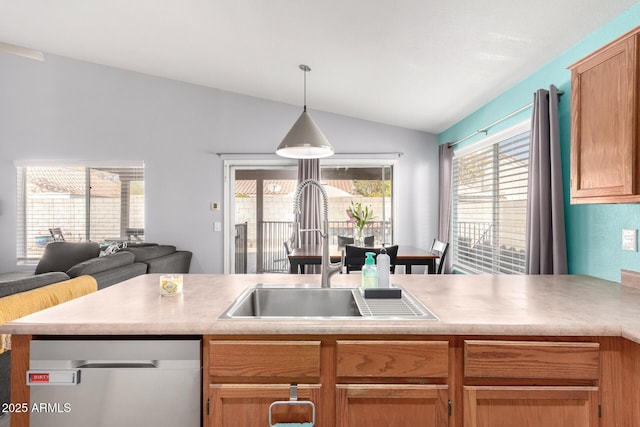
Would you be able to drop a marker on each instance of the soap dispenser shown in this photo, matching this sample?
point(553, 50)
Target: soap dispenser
point(384, 268)
point(369, 272)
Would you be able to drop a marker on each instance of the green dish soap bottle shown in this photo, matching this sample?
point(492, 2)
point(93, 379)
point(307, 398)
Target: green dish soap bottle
point(369, 272)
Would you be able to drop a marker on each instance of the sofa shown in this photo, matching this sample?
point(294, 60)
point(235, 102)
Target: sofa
point(21, 297)
point(84, 258)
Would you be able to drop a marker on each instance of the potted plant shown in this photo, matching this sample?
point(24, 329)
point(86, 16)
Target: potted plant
point(360, 217)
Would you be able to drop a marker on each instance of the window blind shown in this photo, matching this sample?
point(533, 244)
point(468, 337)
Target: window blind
point(86, 203)
point(489, 206)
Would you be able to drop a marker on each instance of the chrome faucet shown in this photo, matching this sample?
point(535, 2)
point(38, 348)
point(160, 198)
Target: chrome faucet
point(328, 268)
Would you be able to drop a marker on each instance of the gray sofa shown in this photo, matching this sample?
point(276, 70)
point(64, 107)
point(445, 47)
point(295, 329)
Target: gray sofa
point(77, 259)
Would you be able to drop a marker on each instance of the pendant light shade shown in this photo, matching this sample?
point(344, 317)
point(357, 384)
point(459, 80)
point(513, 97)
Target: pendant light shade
point(305, 140)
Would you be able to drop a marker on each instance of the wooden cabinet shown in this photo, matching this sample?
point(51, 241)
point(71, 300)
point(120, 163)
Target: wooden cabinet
point(426, 381)
point(527, 383)
point(523, 406)
point(385, 405)
point(247, 405)
point(376, 383)
point(351, 382)
point(605, 156)
point(242, 378)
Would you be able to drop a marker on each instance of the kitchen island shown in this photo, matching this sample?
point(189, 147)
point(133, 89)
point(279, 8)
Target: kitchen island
point(569, 342)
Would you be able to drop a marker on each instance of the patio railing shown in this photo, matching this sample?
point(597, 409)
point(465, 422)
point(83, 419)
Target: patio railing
point(241, 249)
point(271, 255)
point(476, 247)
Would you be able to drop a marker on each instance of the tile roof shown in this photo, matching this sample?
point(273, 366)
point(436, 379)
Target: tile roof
point(288, 186)
point(71, 180)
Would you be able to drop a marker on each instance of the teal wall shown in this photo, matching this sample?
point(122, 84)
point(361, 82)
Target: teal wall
point(593, 231)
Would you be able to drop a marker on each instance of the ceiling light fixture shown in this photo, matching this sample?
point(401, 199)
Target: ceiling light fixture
point(305, 140)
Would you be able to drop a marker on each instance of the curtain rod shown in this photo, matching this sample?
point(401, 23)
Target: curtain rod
point(390, 154)
point(486, 128)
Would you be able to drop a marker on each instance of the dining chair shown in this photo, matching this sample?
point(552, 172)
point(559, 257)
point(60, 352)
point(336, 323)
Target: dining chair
point(56, 233)
point(281, 265)
point(354, 256)
point(345, 240)
point(441, 249)
point(287, 250)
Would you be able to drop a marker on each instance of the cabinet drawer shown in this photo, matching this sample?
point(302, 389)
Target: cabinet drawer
point(394, 359)
point(529, 359)
point(268, 359)
point(240, 405)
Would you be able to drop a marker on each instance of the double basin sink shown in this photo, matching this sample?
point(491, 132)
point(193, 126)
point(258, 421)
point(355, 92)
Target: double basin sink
point(265, 301)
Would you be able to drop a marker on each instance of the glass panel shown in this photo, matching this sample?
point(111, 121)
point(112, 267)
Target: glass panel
point(489, 207)
point(105, 206)
point(370, 186)
point(82, 203)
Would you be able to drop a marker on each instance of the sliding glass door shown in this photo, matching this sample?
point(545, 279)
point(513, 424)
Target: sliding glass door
point(259, 220)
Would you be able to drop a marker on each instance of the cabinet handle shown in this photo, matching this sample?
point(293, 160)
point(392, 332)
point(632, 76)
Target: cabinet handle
point(293, 401)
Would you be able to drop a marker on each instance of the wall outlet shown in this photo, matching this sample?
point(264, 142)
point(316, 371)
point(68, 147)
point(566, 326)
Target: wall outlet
point(214, 206)
point(217, 226)
point(630, 239)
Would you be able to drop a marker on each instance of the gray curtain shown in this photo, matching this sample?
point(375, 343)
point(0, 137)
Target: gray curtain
point(310, 205)
point(444, 201)
point(546, 240)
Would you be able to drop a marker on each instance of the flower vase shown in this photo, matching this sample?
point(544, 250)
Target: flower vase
point(358, 237)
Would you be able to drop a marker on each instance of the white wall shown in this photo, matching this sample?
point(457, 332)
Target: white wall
point(67, 109)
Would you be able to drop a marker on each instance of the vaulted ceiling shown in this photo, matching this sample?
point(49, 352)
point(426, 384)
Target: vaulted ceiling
point(419, 64)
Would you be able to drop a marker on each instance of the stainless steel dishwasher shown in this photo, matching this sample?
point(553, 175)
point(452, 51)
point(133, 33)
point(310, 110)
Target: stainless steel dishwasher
point(121, 383)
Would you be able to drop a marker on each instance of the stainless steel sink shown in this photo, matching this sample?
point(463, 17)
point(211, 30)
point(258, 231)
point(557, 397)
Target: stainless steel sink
point(286, 302)
point(294, 302)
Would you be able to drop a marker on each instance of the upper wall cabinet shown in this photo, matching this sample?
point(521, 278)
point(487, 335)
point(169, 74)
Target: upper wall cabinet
point(605, 152)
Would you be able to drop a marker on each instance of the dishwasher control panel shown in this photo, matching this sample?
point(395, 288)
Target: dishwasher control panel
point(53, 377)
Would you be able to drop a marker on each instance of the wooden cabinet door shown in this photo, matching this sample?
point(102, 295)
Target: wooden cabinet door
point(390, 405)
point(603, 123)
point(247, 405)
point(522, 406)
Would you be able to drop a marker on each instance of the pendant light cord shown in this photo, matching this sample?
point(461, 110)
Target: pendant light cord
point(306, 69)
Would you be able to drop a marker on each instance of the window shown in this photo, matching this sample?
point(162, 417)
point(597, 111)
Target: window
point(89, 202)
point(489, 203)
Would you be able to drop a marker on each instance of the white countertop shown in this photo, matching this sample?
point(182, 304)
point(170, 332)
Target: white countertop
point(465, 305)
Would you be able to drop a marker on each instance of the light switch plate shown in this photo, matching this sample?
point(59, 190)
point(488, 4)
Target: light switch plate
point(630, 239)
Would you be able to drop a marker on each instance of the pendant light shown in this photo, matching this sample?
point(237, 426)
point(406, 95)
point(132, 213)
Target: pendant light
point(305, 140)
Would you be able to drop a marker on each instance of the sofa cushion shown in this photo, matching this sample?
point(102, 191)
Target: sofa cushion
point(116, 275)
point(61, 256)
point(177, 262)
point(31, 282)
point(97, 265)
point(145, 253)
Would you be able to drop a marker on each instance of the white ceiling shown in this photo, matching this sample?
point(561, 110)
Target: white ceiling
point(419, 64)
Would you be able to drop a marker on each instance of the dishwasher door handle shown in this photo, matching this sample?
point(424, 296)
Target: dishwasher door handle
point(114, 364)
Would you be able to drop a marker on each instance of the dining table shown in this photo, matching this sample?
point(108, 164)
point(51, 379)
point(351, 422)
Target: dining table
point(408, 256)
